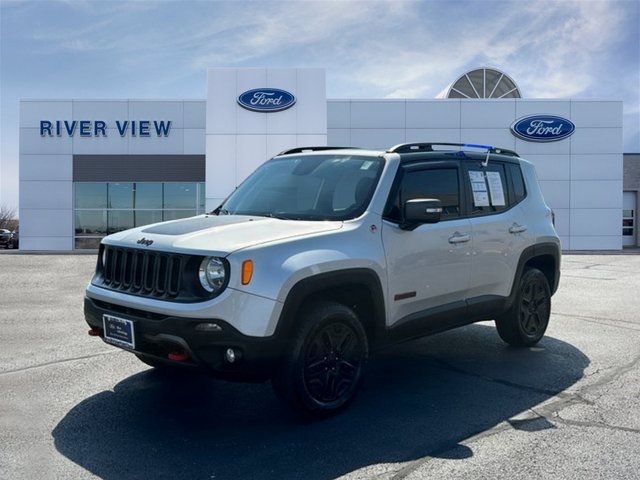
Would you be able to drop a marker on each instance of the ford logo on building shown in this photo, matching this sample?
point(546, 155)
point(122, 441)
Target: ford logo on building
point(542, 128)
point(266, 100)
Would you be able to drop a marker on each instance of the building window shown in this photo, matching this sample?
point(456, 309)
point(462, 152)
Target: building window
point(105, 208)
point(627, 223)
point(120, 195)
point(91, 195)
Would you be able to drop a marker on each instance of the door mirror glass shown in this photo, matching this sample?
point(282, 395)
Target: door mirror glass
point(419, 211)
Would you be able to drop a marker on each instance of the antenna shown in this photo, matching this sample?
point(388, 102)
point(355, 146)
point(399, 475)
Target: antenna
point(489, 149)
point(486, 159)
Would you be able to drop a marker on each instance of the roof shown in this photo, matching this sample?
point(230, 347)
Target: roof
point(455, 155)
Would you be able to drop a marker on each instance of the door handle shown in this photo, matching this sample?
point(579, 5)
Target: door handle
point(459, 238)
point(515, 228)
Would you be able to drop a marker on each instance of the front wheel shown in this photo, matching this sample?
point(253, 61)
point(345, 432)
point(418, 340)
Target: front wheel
point(323, 368)
point(524, 324)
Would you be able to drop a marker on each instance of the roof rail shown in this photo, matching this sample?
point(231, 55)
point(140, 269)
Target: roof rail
point(313, 149)
point(428, 147)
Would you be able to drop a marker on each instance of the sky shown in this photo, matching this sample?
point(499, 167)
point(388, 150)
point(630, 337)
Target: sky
point(145, 49)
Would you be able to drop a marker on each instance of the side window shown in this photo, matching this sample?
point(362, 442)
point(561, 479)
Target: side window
point(441, 184)
point(517, 183)
point(488, 188)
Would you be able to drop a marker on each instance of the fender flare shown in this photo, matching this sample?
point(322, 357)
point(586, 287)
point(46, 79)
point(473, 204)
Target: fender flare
point(529, 253)
point(314, 284)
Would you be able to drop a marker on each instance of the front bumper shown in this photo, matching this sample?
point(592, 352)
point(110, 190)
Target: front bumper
point(158, 335)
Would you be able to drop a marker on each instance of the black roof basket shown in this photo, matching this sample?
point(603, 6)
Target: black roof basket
point(428, 147)
point(313, 149)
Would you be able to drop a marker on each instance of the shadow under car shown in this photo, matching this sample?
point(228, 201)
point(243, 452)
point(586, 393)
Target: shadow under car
point(420, 398)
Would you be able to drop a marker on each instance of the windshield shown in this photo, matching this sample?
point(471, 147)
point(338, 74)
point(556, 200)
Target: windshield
point(312, 187)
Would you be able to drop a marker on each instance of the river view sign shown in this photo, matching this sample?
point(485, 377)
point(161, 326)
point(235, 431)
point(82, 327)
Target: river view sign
point(100, 128)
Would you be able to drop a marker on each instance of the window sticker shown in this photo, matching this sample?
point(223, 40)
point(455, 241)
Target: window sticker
point(479, 189)
point(495, 188)
point(476, 176)
point(366, 164)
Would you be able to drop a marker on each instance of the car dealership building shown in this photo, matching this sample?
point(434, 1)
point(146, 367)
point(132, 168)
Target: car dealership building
point(93, 167)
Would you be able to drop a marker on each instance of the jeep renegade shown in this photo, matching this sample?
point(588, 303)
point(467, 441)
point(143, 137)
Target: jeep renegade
point(324, 255)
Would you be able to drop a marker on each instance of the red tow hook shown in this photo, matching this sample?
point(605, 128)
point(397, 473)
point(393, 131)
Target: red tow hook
point(94, 332)
point(178, 356)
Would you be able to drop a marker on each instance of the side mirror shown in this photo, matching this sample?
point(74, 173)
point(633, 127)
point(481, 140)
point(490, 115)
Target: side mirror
point(419, 211)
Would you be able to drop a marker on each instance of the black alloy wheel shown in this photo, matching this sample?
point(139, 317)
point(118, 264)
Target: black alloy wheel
point(333, 360)
point(526, 321)
point(534, 307)
point(323, 366)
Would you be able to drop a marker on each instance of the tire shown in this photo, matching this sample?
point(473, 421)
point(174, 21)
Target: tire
point(322, 370)
point(526, 321)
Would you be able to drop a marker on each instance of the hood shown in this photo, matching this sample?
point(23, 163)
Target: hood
point(216, 235)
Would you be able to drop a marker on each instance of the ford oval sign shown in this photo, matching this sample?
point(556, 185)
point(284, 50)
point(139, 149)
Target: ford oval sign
point(542, 128)
point(266, 100)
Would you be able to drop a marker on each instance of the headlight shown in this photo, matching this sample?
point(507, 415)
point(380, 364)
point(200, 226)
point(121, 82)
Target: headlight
point(212, 274)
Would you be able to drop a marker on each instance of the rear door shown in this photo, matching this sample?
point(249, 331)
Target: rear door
point(499, 227)
point(430, 266)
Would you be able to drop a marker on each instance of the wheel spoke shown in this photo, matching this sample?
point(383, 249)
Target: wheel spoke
point(347, 369)
point(535, 320)
point(330, 388)
point(345, 347)
point(315, 368)
point(327, 341)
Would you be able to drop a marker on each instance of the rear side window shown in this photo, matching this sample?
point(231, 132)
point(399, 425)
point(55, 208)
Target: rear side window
point(517, 183)
point(488, 188)
point(441, 184)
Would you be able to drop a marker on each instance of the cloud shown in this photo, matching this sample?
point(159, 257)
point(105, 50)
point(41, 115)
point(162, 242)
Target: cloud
point(371, 49)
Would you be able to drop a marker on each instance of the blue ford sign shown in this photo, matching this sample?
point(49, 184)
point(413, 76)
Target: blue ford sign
point(266, 100)
point(542, 128)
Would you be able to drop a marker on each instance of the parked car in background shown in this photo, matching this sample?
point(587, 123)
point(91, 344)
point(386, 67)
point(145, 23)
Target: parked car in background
point(14, 242)
point(5, 237)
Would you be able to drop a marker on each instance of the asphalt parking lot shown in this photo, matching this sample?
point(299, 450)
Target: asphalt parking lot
point(455, 405)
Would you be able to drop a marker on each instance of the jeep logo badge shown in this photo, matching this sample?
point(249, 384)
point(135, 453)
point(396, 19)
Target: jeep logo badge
point(266, 100)
point(542, 128)
point(144, 241)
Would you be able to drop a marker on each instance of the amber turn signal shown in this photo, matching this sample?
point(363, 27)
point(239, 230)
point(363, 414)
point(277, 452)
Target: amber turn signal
point(247, 271)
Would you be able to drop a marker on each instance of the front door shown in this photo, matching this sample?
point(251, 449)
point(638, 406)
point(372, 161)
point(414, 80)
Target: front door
point(427, 267)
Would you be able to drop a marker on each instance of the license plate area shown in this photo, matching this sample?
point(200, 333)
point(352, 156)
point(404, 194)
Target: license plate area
point(119, 331)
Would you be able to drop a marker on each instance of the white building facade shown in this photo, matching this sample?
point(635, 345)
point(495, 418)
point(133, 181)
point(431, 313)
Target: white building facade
point(92, 167)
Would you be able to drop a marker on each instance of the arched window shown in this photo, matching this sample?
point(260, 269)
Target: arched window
point(484, 83)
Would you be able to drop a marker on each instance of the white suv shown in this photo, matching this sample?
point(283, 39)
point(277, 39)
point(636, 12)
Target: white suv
point(324, 255)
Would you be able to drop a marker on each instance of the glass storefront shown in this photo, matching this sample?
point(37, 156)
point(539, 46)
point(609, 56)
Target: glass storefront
point(105, 208)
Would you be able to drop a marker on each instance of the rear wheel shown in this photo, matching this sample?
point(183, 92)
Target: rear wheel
point(323, 369)
point(525, 323)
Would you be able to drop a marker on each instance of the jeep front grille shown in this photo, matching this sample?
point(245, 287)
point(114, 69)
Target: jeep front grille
point(141, 272)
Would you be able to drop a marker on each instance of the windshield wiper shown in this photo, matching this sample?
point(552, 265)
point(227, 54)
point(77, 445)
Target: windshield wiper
point(219, 211)
point(279, 216)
